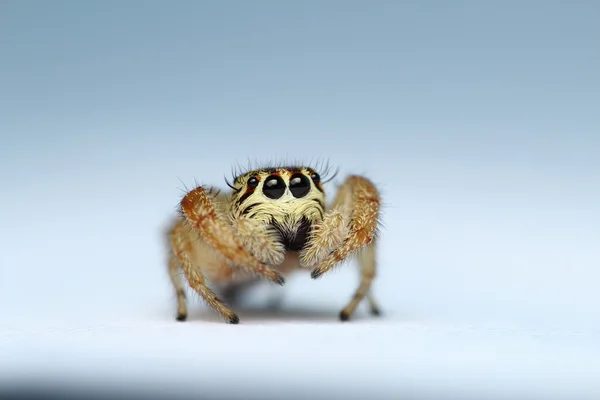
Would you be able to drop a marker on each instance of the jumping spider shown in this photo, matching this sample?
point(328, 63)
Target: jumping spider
point(272, 222)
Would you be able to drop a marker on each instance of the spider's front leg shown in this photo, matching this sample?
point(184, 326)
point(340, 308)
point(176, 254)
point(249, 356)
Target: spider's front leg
point(350, 227)
point(204, 217)
point(214, 246)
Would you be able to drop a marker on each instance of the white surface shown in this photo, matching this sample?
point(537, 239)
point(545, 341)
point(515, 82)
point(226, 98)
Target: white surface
point(478, 298)
point(301, 357)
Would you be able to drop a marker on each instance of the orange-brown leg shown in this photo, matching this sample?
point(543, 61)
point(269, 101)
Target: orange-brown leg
point(174, 274)
point(193, 255)
point(367, 263)
point(206, 218)
point(359, 202)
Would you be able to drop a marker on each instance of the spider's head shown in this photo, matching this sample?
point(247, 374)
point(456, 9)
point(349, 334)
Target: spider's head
point(291, 199)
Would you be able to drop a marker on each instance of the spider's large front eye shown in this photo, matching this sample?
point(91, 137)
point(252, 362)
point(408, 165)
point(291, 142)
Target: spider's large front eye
point(299, 185)
point(274, 187)
point(252, 182)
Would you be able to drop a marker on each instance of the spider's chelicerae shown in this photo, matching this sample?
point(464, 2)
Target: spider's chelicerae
point(273, 221)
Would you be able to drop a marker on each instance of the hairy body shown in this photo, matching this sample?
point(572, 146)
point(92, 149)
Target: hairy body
point(272, 222)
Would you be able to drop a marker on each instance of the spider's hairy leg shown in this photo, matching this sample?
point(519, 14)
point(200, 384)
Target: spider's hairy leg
point(374, 308)
point(208, 220)
point(186, 247)
point(359, 202)
point(177, 284)
point(367, 263)
point(359, 198)
point(261, 240)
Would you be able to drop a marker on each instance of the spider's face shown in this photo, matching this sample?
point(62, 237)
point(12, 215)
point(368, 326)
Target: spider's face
point(290, 199)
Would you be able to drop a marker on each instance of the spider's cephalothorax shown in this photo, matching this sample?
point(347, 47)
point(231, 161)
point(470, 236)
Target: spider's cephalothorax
point(288, 199)
point(273, 221)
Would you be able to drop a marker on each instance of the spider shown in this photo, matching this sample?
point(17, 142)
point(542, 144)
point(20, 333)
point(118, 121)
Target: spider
point(272, 222)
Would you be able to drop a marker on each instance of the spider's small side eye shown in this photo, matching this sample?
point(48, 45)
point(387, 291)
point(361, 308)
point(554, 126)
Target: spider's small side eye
point(299, 185)
point(316, 178)
point(252, 182)
point(274, 187)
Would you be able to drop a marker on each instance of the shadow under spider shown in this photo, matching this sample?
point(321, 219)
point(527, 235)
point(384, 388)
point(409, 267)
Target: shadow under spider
point(272, 310)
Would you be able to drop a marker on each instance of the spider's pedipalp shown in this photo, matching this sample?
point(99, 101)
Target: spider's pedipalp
point(327, 235)
point(261, 240)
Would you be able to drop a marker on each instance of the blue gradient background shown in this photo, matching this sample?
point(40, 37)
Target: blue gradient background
point(479, 120)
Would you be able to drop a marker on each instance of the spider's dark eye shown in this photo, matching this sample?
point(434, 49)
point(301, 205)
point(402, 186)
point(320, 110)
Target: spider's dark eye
point(316, 178)
point(274, 187)
point(252, 182)
point(299, 185)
